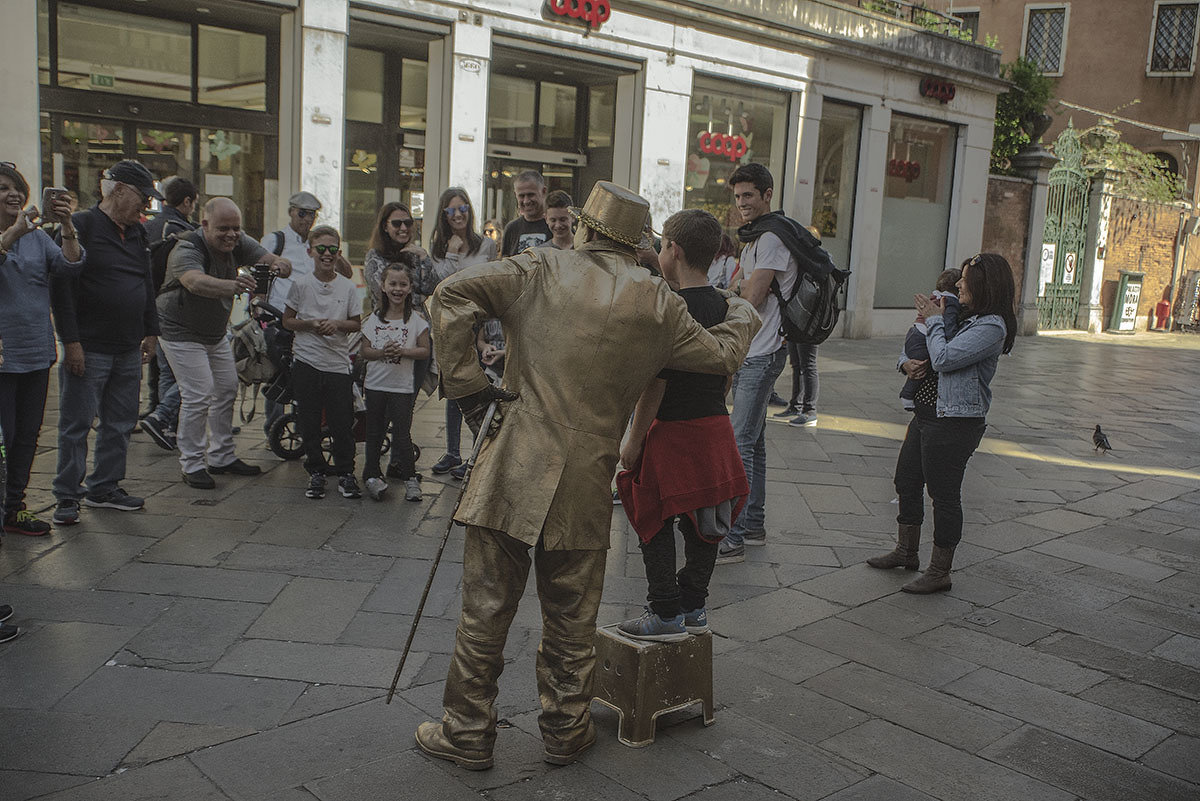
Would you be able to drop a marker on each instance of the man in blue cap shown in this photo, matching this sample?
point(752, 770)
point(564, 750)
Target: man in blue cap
point(107, 321)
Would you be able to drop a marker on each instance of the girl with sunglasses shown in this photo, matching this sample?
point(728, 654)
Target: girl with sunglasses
point(456, 245)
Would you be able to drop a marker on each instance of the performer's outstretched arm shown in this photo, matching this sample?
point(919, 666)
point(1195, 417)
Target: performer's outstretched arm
point(720, 349)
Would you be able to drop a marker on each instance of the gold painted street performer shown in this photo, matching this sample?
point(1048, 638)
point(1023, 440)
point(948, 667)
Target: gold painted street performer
point(587, 330)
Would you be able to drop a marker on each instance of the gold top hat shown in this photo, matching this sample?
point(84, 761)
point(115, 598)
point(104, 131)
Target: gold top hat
point(616, 212)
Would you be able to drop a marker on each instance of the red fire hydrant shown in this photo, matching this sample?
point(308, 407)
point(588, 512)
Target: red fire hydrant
point(1162, 311)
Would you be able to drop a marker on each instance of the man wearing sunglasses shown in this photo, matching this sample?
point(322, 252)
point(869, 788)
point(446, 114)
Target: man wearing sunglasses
point(107, 321)
point(194, 306)
point(291, 242)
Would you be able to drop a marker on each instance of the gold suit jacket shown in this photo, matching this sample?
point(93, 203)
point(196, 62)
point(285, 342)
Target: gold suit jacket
point(586, 331)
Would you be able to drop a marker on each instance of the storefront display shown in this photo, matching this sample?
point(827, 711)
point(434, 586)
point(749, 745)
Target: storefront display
point(836, 176)
point(731, 124)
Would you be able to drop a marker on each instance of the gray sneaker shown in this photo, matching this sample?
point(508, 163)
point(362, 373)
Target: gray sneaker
point(412, 489)
point(803, 420)
point(730, 552)
point(117, 499)
point(376, 487)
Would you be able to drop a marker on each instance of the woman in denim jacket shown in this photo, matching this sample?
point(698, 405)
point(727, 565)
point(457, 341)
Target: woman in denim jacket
point(947, 426)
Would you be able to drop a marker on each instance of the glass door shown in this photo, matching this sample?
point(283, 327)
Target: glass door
point(87, 149)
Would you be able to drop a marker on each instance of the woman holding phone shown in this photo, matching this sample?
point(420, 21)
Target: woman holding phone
point(28, 259)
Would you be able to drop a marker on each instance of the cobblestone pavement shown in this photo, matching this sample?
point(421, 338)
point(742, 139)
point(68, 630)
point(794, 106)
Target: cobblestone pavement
point(235, 644)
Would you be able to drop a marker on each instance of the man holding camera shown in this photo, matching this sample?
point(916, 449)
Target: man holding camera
point(193, 308)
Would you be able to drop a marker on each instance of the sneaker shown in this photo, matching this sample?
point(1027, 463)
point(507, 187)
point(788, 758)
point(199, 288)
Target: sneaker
point(237, 467)
point(803, 419)
point(8, 632)
point(348, 486)
point(776, 400)
point(199, 479)
point(729, 552)
point(412, 489)
point(316, 487)
point(696, 621)
point(117, 499)
point(27, 523)
point(754, 538)
point(376, 487)
point(652, 627)
point(791, 410)
point(162, 437)
point(445, 465)
point(616, 498)
point(459, 472)
point(6, 612)
point(66, 513)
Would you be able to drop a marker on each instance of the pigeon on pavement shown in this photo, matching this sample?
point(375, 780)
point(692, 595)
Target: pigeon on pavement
point(1100, 440)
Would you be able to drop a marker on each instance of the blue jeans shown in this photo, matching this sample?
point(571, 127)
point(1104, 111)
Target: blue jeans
point(108, 389)
point(752, 388)
point(167, 410)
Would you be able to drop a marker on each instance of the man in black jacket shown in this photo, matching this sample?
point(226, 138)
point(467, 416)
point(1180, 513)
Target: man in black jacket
point(109, 326)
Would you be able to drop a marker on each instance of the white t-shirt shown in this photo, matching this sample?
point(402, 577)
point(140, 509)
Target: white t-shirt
point(720, 272)
point(295, 250)
point(318, 300)
point(397, 376)
point(768, 253)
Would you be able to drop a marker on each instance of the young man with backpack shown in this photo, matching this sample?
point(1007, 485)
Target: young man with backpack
point(163, 232)
point(193, 308)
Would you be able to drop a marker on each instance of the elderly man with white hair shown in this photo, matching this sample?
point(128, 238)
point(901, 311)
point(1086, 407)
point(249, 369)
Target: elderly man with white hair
point(109, 326)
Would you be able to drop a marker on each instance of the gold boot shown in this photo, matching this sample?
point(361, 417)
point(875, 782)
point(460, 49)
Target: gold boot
point(905, 553)
point(433, 741)
point(936, 577)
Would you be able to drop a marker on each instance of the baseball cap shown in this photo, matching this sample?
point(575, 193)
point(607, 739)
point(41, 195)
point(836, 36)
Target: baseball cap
point(136, 175)
point(304, 200)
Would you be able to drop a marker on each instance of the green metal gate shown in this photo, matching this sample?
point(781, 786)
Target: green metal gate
point(1064, 236)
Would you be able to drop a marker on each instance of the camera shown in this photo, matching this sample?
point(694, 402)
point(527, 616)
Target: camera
point(262, 278)
point(50, 195)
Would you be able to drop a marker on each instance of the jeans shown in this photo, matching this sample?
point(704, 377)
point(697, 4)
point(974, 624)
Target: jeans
point(207, 388)
point(22, 404)
point(671, 593)
point(934, 456)
point(325, 395)
point(395, 408)
point(108, 390)
point(166, 410)
point(752, 388)
point(453, 429)
point(804, 376)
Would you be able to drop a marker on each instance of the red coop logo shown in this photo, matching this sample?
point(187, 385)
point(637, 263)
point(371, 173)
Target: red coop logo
point(938, 89)
point(723, 145)
point(908, 170)
point(592, 13)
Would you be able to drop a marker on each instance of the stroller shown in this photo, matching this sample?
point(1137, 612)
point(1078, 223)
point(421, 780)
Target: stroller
point(283, 435)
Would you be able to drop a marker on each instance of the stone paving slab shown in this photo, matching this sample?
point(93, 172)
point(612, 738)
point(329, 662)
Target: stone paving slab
point(177, 779)
point(49, 662)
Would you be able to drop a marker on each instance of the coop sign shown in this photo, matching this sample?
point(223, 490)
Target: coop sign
point(592, 13)
point(733, 147)
point(937, 88)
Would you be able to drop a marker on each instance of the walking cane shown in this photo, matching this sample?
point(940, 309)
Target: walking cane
point(412, 632)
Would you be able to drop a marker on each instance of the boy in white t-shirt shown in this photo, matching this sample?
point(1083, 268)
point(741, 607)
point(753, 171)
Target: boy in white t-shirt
point(323, 310)
point(394, 338)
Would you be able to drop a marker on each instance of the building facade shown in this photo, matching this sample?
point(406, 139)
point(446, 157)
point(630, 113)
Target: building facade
point(877, 131)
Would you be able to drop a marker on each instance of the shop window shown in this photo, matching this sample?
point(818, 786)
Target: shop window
point(556, 116)
point(512, 103)
point(233, 68)
point(838, 140)
point(1046, 37)
point(916, 209)
point(110, 51)
point(1173, 45)
point(414, 91)
point(233, 164)
point(602, 108)
point(89, 148)
point(43, 35)
point(364, 85)
point(731, 124)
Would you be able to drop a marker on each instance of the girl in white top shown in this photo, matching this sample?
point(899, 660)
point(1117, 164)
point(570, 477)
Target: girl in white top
point(394, 339)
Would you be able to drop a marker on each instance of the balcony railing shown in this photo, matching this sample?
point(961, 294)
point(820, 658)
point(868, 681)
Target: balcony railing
point(918, 14)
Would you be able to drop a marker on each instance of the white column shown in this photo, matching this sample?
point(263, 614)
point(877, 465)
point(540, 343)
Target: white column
point(627, 136)
point(1091, 312)
point(467, 145)
point(664, 137)
point(1035, 165)
point(19, 124)
point(868, 217)
point(323, 35)
point(798, 200)
point(970, 193)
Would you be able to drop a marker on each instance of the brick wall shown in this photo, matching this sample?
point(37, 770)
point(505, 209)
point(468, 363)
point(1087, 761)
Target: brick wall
point(1141, 237)
point(1006, 221)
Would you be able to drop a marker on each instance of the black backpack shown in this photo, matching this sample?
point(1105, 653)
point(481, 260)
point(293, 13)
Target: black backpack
point(160, 251)
point(166, 245)
point(809, 316)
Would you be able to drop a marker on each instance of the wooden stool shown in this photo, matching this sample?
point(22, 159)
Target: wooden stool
point(642, 679)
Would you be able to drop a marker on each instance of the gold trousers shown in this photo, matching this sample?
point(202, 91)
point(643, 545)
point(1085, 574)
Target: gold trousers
point(569, 585)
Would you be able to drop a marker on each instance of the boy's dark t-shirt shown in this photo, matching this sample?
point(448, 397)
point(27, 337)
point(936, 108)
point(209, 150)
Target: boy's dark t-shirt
point(690, 396)
point(521, 234)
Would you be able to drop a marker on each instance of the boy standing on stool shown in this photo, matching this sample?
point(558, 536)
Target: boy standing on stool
point(680, 456)
point(323, 309)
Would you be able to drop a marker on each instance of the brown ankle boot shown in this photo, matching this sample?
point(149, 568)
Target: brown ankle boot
point(936, 577)
point(905, 553)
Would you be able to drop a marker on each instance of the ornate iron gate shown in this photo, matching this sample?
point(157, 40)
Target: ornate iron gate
point(1064, 236)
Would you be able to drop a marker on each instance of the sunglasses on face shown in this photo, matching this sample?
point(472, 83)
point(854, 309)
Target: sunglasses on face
point(452, 210)
point(305, 214)
point(398, 224)
point(332, 250)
